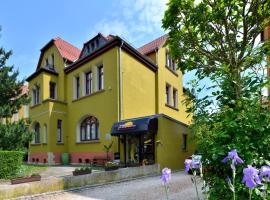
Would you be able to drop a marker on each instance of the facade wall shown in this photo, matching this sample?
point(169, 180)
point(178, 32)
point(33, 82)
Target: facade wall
point(165, 76)
point(101, 104)
point(143, 94)
point(49, 111)
point(169, 152)
point(138, 86)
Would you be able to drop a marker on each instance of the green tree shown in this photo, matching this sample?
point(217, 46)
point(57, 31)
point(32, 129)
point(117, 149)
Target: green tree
point(219, 39)
point(13, 136)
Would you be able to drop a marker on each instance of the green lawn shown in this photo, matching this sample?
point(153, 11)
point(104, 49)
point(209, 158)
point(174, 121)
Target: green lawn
point(28, 170)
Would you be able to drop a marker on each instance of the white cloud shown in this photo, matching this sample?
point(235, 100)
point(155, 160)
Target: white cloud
point(134, 20)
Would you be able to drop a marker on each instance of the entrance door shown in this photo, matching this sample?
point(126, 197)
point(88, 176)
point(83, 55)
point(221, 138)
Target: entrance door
point(149, 148)
point(132, 154)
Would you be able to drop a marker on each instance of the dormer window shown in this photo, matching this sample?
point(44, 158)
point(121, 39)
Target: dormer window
point(47, 62)
point(92, 46)
point(52, 61)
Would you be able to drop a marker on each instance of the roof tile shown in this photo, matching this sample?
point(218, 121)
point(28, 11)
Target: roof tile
point(151, 46)
point(67, 50)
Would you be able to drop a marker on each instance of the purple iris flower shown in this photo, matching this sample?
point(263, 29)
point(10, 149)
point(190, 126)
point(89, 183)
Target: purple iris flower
point(188, 162)
point(265, 173)
point(251, 177)
point(166, 175)
point(233, 156)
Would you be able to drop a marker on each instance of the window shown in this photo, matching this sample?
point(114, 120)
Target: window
point(52, 90)
point(51, 66)
point(184, 143)
point(59, 131)
point(47, 62)
point(77, 87)
point(100, 78)
point(37, 133)
point(92, 46)
point(52, 57)
point(170, 62)
point(35, 95)
point(45, 134)
point(168, 94)
point(88, 83)
point(175, 98)
point(89, 129)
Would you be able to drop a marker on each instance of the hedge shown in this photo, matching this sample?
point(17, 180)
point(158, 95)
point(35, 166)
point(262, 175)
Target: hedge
point(10, 162)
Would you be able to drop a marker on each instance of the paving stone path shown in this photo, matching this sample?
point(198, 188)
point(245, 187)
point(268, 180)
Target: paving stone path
point(147, 188)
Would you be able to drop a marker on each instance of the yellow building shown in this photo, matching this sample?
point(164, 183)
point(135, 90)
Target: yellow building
point(108, 92)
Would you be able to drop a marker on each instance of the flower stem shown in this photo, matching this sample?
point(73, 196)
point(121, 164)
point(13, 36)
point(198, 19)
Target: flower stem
point(166, 191)
point(250, 193)
point(233, 183)
point(195, 183)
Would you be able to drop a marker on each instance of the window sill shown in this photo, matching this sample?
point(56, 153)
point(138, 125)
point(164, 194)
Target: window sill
point(171, 70)
point(60, 143)
point(35, 144)
point(33, 106)
point(44, 143)
point(88, 142)
point(171, 107)
point(89, 95)
point(53, 100)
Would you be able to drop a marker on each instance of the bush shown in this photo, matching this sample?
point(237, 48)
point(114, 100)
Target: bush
point(10, 162)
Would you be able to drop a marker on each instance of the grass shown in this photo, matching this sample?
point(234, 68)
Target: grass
point(28, 170)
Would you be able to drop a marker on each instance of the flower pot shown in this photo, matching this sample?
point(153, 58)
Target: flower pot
point(81, 172)
point(25, 179)
point(111, 168)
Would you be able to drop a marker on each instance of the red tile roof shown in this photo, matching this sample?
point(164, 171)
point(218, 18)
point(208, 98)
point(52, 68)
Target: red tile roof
point(151, 46)
point(67, 50)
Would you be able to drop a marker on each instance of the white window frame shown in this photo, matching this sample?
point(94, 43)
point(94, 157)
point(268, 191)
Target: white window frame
point(169, 96)
point(59, 131)
point(55, 90)
point(175, 98)
point(45, 135)
point(75, 92)
point(35, 97)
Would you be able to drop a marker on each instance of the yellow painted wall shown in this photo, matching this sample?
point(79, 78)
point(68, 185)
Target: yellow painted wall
point(166, 76)
point(101, 104)
point(59, 67)
point(138, 88)
point(49, 111)
point(169, 152)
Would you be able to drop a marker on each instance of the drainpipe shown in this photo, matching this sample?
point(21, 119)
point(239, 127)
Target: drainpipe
point(120, 90)
point(120, 80)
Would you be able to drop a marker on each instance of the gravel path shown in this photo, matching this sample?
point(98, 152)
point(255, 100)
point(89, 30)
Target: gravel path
point(147, 188)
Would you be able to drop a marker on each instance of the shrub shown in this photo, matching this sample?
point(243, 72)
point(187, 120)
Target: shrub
point(10, 162)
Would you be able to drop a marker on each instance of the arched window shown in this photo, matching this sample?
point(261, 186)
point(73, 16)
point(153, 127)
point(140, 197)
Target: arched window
point(37, 133)
point(89, 129)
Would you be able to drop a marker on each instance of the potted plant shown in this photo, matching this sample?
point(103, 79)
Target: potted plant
point(32, 178)
point(107, 149)
point(82, 170)
point(109, 166)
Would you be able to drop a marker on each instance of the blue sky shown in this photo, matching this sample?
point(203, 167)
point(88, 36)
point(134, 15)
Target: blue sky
point(28, 25)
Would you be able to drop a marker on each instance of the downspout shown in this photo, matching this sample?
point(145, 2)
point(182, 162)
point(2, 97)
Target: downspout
point(120, 94)
point(156, 83)
point(120, 80)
